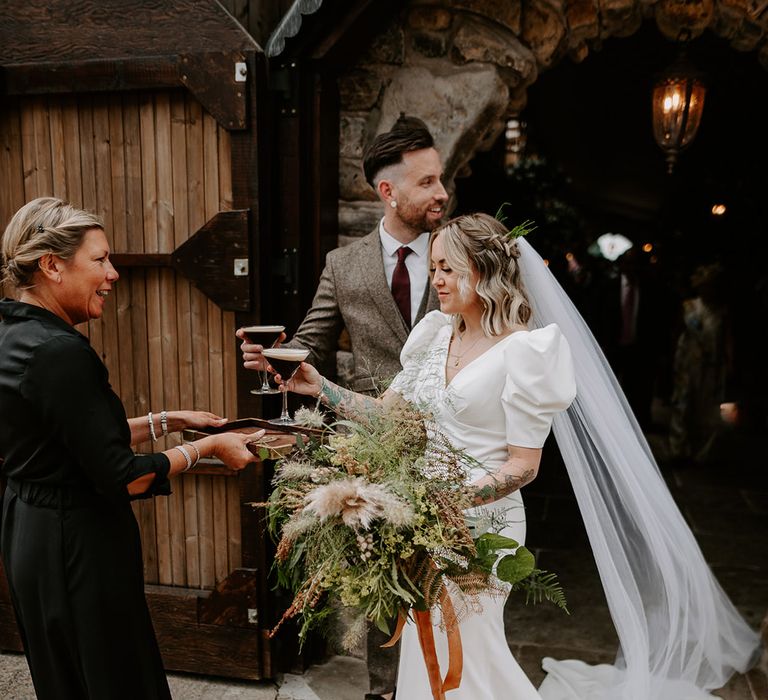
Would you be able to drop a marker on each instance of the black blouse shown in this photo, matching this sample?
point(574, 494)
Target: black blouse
point(61, 425)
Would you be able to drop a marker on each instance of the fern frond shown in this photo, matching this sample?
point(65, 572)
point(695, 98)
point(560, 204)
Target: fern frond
point(540, 586)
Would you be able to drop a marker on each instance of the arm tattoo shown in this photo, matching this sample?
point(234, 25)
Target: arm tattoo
point(348, 403)
point(502, 486)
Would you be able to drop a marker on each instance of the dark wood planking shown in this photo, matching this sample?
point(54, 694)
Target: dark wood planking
point(208, 258)
point(188, 644)
point(118, 45)
point(88, 30)
point(248, 191)
point(253, 484)
point(11, 163)
point(141, 260)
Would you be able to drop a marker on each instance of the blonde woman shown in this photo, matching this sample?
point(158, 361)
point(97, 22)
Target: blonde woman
point(69, 540)
point(497, 365)
point(493, 386)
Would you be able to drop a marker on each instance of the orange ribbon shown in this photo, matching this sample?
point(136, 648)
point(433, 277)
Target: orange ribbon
point(401, 619)
point(423, 620)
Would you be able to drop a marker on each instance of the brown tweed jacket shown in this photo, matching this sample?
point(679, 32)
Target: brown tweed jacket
point(353, 292)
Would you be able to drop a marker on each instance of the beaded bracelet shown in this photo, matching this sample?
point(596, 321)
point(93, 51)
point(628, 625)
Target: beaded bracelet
point(197, 453)
point(187, 458)
point(164, 421)
point(151, 427)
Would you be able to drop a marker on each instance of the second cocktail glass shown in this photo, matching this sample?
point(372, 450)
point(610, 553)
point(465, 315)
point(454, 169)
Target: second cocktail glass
point(266, 336)
point(285, 362)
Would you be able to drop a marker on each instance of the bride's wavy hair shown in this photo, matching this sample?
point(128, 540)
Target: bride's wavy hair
point(479, 243)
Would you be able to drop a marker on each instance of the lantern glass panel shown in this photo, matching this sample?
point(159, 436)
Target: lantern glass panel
point(671, 128)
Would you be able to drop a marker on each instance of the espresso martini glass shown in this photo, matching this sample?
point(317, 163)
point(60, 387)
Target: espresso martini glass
point(285, 362)
point(266, 336)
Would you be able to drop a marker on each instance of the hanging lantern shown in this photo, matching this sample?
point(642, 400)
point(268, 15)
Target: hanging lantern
point(678, 101)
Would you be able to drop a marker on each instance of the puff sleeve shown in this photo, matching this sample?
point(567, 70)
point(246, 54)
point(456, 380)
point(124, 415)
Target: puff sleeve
point(539, 383)
point(415, 351)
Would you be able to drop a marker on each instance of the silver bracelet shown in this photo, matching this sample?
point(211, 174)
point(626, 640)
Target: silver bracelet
point(319, 394)
point(197, 453)
point(188, 459)
point(164, 421)
point(151, 427)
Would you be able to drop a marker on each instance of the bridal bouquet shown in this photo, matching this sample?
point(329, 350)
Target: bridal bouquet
point(371, 518)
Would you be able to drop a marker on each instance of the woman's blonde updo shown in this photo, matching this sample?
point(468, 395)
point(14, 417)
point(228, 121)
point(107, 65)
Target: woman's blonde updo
point(44, 226)
point(479, 243)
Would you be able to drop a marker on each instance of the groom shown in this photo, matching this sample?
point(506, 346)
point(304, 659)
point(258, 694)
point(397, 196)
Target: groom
point(378, 288)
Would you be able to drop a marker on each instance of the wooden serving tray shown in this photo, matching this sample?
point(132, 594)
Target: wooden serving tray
point(260, 423)
point(279, 441)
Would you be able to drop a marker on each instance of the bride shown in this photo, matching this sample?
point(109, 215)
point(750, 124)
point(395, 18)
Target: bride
point(499, 362)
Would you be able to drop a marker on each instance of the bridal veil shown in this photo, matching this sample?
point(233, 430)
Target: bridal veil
point(679, 634)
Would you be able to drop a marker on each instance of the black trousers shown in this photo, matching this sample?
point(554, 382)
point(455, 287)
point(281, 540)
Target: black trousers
point(76, 581)
point(382, 663)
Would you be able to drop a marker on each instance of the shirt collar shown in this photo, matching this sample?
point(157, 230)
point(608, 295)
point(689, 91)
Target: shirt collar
point(21, 311)
point(390, 244)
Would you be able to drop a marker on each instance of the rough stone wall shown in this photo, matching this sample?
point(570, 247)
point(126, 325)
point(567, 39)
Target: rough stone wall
point(464, 65)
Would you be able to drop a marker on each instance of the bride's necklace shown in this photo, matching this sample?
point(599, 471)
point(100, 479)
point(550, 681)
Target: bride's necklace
point(457, 358)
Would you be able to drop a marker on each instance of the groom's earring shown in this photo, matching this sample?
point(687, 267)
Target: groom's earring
point(393, 204)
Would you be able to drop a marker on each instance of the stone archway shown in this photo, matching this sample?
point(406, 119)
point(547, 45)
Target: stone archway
point(464, 65)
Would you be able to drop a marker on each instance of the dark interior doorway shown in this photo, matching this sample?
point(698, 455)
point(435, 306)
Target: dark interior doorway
point(596, 168)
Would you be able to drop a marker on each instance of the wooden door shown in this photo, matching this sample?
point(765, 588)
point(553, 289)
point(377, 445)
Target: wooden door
point(156, 166)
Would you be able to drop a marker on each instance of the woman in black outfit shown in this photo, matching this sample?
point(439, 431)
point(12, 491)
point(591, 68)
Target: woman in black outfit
point(69, 540)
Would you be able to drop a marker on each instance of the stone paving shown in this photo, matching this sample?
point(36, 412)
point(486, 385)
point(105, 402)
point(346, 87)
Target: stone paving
point(727, 508)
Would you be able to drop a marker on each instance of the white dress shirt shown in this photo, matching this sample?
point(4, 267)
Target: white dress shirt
point(416, 263)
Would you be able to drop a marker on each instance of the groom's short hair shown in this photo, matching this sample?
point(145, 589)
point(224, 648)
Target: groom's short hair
point(407, 134)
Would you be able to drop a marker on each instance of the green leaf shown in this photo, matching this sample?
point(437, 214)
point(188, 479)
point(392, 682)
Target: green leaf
point(382, 625)
point(263, 453)
point(299, 441)
point(521, 230)
point(500, 212)
point(491, 541)
point(393, 585)
point(515, 567)
point(486, 562)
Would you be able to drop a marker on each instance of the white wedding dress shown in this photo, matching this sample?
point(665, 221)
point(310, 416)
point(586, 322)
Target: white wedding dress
point(508, 395)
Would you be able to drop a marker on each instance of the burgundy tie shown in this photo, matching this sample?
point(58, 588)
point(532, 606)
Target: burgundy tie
point(401, 284)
